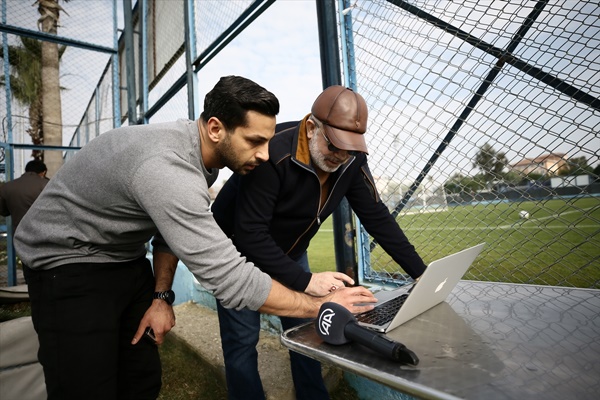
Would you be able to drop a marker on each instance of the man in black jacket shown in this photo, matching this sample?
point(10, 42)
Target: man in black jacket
point(273, 213)
point(17, 196)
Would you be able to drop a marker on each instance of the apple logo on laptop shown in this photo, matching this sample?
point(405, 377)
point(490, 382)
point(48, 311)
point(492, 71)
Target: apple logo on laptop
point(441, 285)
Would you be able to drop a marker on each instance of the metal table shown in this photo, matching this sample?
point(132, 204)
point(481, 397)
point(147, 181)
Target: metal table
point(488, 341)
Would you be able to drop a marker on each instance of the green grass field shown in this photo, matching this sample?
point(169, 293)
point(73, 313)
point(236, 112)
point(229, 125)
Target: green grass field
point(559, 244)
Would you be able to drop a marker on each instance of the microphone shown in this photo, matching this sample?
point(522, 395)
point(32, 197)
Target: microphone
point(336, 325)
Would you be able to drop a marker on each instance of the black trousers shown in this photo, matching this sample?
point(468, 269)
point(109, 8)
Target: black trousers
point(85, 316)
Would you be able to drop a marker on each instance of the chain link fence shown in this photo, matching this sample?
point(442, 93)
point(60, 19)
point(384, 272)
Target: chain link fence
point(484, 116)
point(484, 127)
point(207, 32)
point(85, 36)
point(95, 91)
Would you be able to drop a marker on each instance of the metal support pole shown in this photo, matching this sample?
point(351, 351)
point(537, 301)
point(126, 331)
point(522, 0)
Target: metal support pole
point(129, 62)
point(343, 231)
point(116, 82)
point(11, 262)
point(190, 56)
point(143, 67)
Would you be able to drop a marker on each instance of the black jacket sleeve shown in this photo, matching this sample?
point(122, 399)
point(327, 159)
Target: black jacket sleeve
point(256, 197)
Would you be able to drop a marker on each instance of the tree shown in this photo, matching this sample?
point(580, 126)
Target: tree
point(26, 83)
point(459, 183)
point(490, 162)
point(51, 105)
point(577, 166)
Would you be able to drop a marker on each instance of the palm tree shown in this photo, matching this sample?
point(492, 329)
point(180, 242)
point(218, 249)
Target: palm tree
point(26, 84)
point(490, 162)
point(51, 105)
point(25, 80)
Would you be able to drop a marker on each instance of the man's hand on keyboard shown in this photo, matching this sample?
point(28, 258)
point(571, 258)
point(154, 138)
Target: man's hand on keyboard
point(323, 283)
point(355, 299)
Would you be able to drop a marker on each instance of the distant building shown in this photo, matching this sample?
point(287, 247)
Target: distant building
point(547, 164)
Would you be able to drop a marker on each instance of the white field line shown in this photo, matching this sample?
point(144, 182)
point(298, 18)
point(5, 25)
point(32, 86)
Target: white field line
point(520, 224)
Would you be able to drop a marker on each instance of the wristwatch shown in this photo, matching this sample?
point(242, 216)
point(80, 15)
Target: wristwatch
point(168, 296)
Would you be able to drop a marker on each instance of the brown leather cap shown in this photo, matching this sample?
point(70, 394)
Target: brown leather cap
point(344, 114)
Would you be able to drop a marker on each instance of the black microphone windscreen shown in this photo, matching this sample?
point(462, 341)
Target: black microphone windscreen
point(331, 322)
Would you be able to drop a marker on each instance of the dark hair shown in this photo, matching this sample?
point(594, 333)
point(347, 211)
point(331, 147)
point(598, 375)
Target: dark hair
point(36, 166)
point(233, 96)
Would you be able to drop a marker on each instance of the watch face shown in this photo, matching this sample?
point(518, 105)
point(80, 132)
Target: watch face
point(170, 297)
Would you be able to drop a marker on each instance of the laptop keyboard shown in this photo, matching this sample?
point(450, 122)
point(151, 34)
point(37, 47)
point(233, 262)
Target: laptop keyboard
point(384, 313)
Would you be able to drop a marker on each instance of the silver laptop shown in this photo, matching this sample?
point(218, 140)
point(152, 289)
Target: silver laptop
point(439, 279)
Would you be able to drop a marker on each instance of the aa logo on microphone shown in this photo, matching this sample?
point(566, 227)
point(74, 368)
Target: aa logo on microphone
point(325, 321)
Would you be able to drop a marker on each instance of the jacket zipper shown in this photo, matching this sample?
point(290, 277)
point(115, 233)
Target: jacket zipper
point(318, 216)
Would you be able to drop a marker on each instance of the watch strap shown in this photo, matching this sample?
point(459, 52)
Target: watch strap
point(168, 296)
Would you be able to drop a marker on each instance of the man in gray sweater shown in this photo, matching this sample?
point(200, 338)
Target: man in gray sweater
point(92, 290)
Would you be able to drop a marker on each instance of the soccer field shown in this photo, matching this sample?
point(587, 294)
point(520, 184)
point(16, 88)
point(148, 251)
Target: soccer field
point(559, 244)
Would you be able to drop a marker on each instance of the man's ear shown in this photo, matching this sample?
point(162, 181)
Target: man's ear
point(310, 128)
point(214, 129)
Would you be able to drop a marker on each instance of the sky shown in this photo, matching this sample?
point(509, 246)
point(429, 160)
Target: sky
point(420, 79)
point(287, 34)
point(280, 51)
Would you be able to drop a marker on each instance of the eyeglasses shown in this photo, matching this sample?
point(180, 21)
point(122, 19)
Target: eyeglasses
point(330, 145)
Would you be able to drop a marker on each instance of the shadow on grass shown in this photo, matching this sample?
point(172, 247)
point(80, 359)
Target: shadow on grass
point(186, 375)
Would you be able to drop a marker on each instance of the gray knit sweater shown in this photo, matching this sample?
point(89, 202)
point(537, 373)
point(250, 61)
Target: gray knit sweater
point(106, 202)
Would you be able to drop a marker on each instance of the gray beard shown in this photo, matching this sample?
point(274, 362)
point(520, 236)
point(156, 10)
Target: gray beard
point(318, 158)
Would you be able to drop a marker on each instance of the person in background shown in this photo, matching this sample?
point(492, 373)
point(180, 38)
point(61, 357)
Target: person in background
point(82, 243)
point(17, 196)
point(274, 212)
